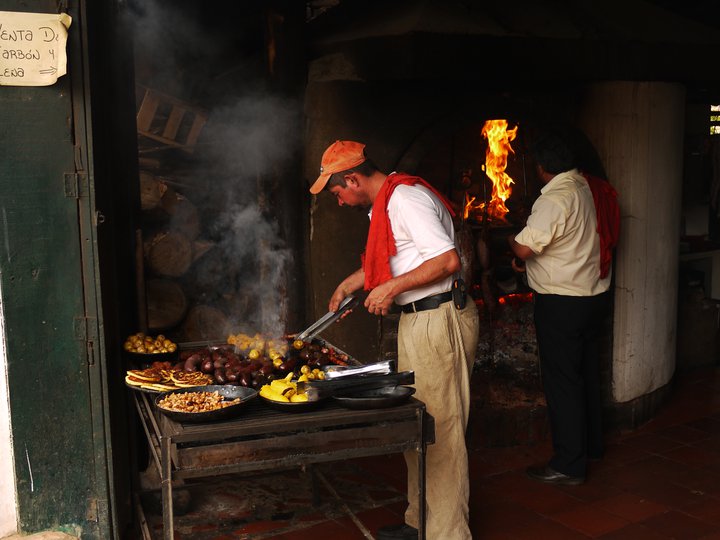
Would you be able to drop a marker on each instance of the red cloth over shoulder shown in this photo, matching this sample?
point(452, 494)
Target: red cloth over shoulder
point(607, 212)
point(381, 242)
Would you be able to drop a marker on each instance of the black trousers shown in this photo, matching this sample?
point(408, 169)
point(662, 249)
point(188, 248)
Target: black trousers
point(568, 332)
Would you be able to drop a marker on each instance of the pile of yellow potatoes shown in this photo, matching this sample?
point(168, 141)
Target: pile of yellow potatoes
point(286, 389)
point(143, 344)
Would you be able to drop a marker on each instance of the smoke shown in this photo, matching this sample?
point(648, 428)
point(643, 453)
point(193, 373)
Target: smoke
point(251, 138)
point(245, 147)
point(257, 262)
point(170, 40)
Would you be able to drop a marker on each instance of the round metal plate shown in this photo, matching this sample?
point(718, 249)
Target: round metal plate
point(378, 398)
point(228, 391)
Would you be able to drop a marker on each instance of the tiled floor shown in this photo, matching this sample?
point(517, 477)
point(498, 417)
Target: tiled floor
point(661, 481)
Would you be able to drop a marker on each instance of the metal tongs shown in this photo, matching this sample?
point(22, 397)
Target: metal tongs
point(326, 320)
point(378, 368)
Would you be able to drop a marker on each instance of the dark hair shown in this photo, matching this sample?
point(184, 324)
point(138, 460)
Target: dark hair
point(554, 152)
point(366, 168)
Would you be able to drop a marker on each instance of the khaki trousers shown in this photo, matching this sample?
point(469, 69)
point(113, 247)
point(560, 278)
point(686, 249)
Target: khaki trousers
point(439, 345)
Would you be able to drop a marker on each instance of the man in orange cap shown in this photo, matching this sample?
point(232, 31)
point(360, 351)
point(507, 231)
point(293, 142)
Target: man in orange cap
point(410, 261)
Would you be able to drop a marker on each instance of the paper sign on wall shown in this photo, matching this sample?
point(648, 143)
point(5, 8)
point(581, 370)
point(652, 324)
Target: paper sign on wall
point(32, 48)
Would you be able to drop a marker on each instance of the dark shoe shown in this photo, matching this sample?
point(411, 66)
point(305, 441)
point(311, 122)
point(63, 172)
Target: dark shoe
point(551, 476)
point(397, 532)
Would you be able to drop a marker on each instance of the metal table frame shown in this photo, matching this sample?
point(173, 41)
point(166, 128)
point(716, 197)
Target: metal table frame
point(263, 439)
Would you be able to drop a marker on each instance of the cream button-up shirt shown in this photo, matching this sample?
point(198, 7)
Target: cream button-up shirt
point(562, 232)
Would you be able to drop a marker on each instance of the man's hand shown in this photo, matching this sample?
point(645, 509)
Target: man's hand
point(380, 299)
point(348, 286)
point(518, 264)
point(337, 297)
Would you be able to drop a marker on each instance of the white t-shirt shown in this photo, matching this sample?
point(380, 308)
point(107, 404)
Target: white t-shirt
point(562, 232)
point(423, 229)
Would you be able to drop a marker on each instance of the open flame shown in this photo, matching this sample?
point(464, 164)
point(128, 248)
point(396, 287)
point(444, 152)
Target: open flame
point(499, 138)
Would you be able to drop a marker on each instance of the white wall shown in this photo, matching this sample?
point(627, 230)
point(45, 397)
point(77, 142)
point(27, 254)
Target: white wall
point(638, 131)
point(8, 499)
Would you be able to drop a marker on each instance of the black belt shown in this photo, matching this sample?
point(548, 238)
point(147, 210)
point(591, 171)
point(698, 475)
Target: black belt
point(429, 302)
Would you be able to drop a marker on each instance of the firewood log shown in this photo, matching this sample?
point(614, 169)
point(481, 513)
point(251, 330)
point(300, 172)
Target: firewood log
point(161, 203)
point(205, 323)
point(183, 214)
point(168, 254)
point(200, 248)
point(153, 191)
point(166, 304)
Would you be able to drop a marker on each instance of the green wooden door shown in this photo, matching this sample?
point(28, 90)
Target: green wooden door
point(49, 287)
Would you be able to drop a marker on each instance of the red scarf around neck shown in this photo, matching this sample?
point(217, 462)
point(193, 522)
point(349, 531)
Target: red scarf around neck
point(381, 242)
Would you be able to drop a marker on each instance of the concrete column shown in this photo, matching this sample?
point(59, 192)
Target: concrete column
point(637, 129)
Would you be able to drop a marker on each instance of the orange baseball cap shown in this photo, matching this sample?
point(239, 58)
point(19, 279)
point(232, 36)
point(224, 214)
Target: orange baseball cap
point(339, 156)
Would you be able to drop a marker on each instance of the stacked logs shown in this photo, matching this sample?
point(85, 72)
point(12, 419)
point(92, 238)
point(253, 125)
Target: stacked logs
point(171, 245)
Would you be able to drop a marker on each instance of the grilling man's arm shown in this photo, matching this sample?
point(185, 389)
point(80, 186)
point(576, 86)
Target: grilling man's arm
point(432, 270)
point(347, 286)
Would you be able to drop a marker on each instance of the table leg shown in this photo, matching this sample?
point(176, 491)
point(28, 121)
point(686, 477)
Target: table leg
point(166, 486)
